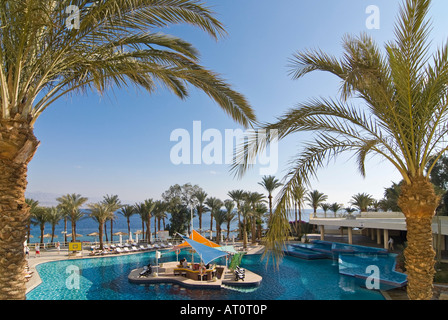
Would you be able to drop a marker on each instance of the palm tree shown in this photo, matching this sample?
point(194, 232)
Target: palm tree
point(335, 207)
point(100, 212)
point(246, 212)
point(40, 217)
point(238, 197)
point(200, 195)
point(113, 203)
point(55, 215)
point(362, 201)
point(270, 183)
point(159, 213)
point(315, 199)
point(149, 206)
point(71, 203)
point(230, 215)
point(298, 197)
point(325, 207)
point(253, 198)
point(214, 204)
point(259, 215)
point(144, 209)
point(141, 211)
point(128, 211)
point(402, 120)
point(74, 218)
point(220, 218)
point(116, 43)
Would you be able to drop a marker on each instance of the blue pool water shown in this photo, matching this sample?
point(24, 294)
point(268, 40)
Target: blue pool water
point(106, 279)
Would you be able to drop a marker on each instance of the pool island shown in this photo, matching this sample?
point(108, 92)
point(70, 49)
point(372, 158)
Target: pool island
point(193, 276)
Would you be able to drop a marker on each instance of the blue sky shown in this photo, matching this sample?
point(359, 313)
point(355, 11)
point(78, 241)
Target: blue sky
point(120, 143)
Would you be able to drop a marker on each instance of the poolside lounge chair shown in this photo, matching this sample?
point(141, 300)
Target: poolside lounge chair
point(147, 270)
point(119, 250)
point(126, 249)
point(143, 248)
point(134, 248)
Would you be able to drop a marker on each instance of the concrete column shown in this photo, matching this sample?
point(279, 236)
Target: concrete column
point(322, 233)
point(386, 239)
point(378, 236)
point(372, 234)
point(350, 235)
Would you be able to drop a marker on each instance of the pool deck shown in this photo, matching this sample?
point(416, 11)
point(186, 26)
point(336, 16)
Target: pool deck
point(166, 274)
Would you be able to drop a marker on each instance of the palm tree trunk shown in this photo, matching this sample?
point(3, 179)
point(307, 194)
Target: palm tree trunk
point(200, 217)
point(270, 207)
point(105, 231)
point(73, 228)
point(17, 147)
point(100, 232)
point(211, 222)
point(295, 223)
point(254, 230)
point(148, 229)
point(42, 231)
point(53, 227)
point(65, 230)
point(244, 233)
point(112, 231)
point(419, 202)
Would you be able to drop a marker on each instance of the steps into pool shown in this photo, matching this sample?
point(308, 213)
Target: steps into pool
point(366, 264)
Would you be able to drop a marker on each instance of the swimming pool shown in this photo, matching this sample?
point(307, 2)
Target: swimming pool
point(107, 279)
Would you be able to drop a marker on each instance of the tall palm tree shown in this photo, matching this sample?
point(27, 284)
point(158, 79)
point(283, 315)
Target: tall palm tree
point(298, 197)
point(128, 211)
point(159, 213)
point(76, 216)
point(40, 217)
point(116, 44)
point(230, 215)
point(55, 215)
point(220, 218)
point(270, 183)
point(246, 211)
point(315, 199)
point(362, 201)
point(71, 204)
point(254, 198)
point(214, 204)
point(100, 212)
point(141, 211)
point(201, 196)
point(259, 216)
point(113, 203)
point(238, 197)
point(402, 120)
point(149, 206)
